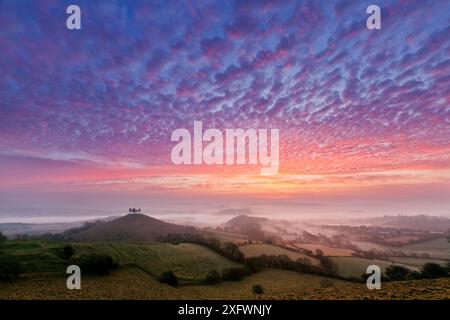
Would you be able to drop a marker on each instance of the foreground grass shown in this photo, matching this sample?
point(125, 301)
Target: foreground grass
point(133, 283)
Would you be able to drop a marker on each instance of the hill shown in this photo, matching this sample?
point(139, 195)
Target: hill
point(249, 226)
point(257, 249)
point(140, 264)
point(130, 228)
point(419, 222)
point(190, 262)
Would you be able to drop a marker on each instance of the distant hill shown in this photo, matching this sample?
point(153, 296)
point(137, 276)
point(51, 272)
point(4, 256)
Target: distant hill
point(249, 226)
point(130, 228)
point(13, 230)
point(235, 212)
point(419, 222)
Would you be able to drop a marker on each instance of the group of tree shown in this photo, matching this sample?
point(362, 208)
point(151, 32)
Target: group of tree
point(254, 264)
point(212, 277)
point(68, 251)
point(228, 250)
point(95, 264)
point(2, 238)
point(428, 271)
point(10, 266)
point(169, 277)
point(327, 266)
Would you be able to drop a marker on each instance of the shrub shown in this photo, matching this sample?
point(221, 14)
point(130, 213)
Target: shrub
point(328, 265)
point(168, 277)
point(254, 264)
point(9, 268)
point(397, 273)
point(99, 264)
point(258, 289)
point(212, 277)
point(414, 275)
point(2, 237)
point(233, 274)
point(68, 251)
point(433, 270)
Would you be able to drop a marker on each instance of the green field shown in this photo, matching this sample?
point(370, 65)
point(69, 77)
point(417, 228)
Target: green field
point(225, 236)
point(257, 249)
point(190, 262)
point(141, 263)
point(437, 248)
point(355, 267)
point(417, 262)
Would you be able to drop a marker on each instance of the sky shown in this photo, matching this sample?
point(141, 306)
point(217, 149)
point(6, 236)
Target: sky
point(86, 116)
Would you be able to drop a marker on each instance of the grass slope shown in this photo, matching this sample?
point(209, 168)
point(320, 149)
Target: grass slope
point(257, 249)
point(132, 283)
point(355, 267)
point(190, 262)
point(132, 227)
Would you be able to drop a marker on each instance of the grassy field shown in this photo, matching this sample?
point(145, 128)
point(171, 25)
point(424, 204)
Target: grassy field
point(356, 267)
point(257, 249)
point(225, 236)
point(437, 248)
point(133, 283)
point(417, 262)
point(327, 251)
point(141, 263)
point(190, 262)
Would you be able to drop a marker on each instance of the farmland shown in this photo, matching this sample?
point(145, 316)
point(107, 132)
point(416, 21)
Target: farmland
point(257, 249)
point(355, 267)
point(190, 262)
point(140, 264)
point(327, 250)
point(436, 248)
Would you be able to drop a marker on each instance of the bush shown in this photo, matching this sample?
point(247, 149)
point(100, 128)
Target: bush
point(329, 267)
point(99, 264)
point(212, 277)
point(414, 275)
point(68, 251)
point(433, 270)
point(254, 264)
point(258, 289)
point(168, 277)
point(2, 237)
point(397, 273)
point(233, 274)
point(9, 268)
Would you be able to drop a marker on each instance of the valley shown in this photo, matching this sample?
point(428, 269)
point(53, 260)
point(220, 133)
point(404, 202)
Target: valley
point(227, 261)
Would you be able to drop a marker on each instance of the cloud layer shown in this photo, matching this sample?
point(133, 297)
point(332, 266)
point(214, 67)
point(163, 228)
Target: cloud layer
point(100, 104)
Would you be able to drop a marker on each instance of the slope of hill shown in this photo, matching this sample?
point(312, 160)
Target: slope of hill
point(249, 226)
point(257, 249)
point(132, 283)
point(190, 262)
point(240, 220)
point(130, 228)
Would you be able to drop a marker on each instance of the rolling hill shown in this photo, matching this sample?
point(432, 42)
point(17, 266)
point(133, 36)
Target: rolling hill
point(130, 228)
point(248, 226)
